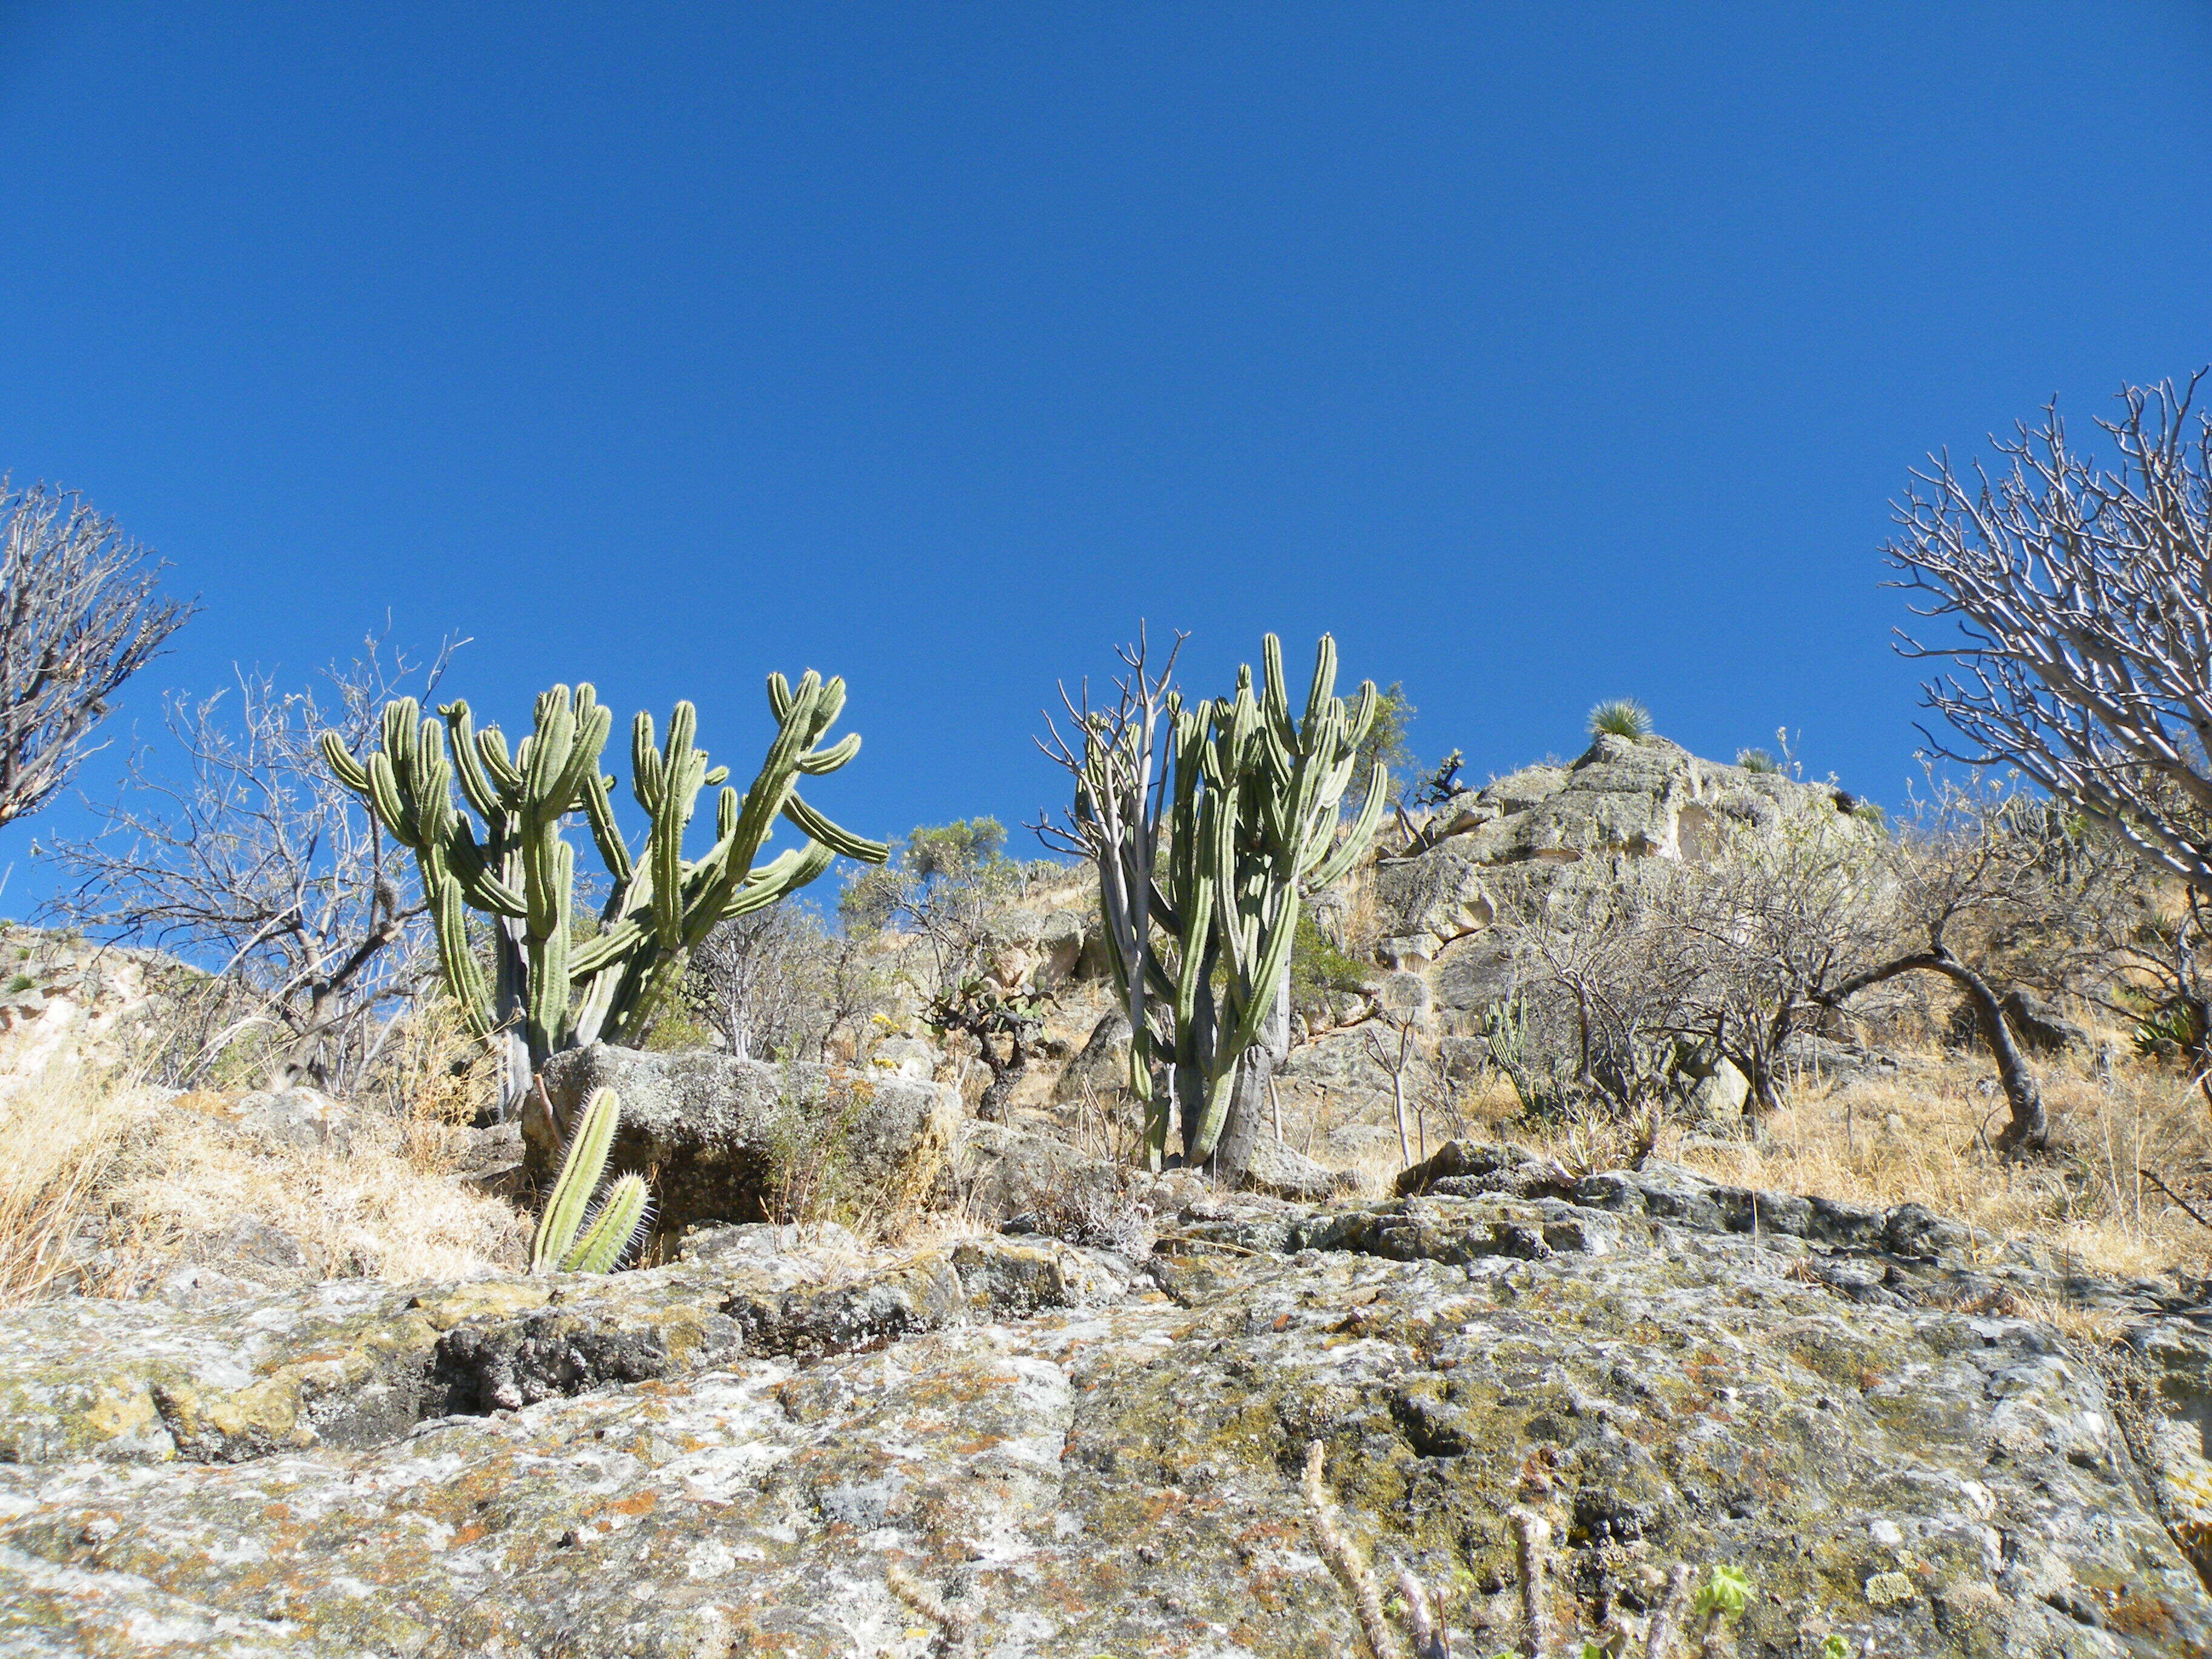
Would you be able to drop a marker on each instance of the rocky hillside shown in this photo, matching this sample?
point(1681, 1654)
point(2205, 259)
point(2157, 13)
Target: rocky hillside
point(1037, 1403)
point(1014, 1445)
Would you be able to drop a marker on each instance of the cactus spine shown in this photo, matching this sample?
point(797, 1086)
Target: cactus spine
point(1252, 826)
point(551, 990)
point(610, 1228)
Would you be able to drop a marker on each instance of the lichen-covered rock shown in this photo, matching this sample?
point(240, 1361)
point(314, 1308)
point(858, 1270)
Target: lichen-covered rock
point(1102, 1066)
point(713, 1126)
point(731, 1454)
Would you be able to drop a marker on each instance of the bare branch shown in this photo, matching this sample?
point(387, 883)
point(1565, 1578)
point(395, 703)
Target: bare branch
point(258, 862)
point(2081, 599)
point(79, 615)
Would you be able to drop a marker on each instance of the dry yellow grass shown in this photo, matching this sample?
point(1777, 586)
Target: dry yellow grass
point(1921, 1135)
point(384, 1207)
point(61, 1130)
point(95, 1158)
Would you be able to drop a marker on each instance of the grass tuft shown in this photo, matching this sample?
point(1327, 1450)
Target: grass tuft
point(1620, 717)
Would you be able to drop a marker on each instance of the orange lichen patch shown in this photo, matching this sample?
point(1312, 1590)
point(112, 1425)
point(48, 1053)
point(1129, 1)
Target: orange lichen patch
point(638, 1502)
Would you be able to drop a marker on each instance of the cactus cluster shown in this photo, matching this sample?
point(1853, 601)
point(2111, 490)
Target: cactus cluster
point(1251, 823)
point(552, 988)
point(575, 1234)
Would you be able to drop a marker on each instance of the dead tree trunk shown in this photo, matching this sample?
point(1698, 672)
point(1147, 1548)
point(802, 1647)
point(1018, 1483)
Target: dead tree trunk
point(2028, 1129)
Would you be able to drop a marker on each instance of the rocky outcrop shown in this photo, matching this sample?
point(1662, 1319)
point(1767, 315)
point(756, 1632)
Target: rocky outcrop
point(64, 997)
point(1546, 827)
point(1084, 1454)
point(716, 1128)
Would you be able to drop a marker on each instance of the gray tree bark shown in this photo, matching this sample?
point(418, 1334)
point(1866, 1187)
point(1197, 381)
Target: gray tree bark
point(1248, 1105)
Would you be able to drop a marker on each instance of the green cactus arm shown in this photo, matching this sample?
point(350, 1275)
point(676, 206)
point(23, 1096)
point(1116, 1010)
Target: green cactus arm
point(581, 1166)
point(828, 760)
point(435, 810)
point(551, 973)
point(346, 770)
point(592, 724)
point(817, 827)
point(609, 946)
point(597, 795)
point(1275, 697)
point(772, 784)
point(472, 867)
point(541, 872)
point(464, 976)
point(1359, 837)
point(682, 770)
point(476, 787)
point(1274, 961)
point(779, 697)
point(615, 1226)
point(1360, 719)
point(1322, 692)
point(1219, 851)
point(391, 807)
point(777, 880)
point(491, 751)
point(651, 982)
point(399, 731)
point(645, 767)
point(593, 1004)
point(552, 741)
point(827, 705)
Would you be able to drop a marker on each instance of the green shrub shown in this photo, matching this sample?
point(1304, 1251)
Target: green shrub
point(1317, 966)
point(1620, 717)
point(1757, 760)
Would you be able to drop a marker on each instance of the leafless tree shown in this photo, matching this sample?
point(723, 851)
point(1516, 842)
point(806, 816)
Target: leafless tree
point(1960, 873)
point(2081, 596)
point(80, 613)
point(1758, 935)
point(1600, 1004)
point(778, 982)
point(1118, 759)
point(258, 863)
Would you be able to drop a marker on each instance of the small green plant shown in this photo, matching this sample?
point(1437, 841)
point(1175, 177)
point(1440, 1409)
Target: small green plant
point(1835, 1647)
point(1722, 1595)
point(609, 1228)
point(1620, 717)
point(1757, 760)
point(1318, 967)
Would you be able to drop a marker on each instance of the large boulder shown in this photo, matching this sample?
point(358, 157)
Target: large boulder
point(715, 1130)
point(1103, 1065)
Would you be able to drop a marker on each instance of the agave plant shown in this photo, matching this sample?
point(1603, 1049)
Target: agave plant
point(1620, 717)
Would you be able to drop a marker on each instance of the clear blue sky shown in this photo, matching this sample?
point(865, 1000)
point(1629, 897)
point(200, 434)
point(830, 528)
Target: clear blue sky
point(1544, 354)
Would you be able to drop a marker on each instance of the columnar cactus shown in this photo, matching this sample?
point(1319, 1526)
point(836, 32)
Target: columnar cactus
point(1213, 837)
point(609, 1227)
point(553, 990)
point(1253, 824)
